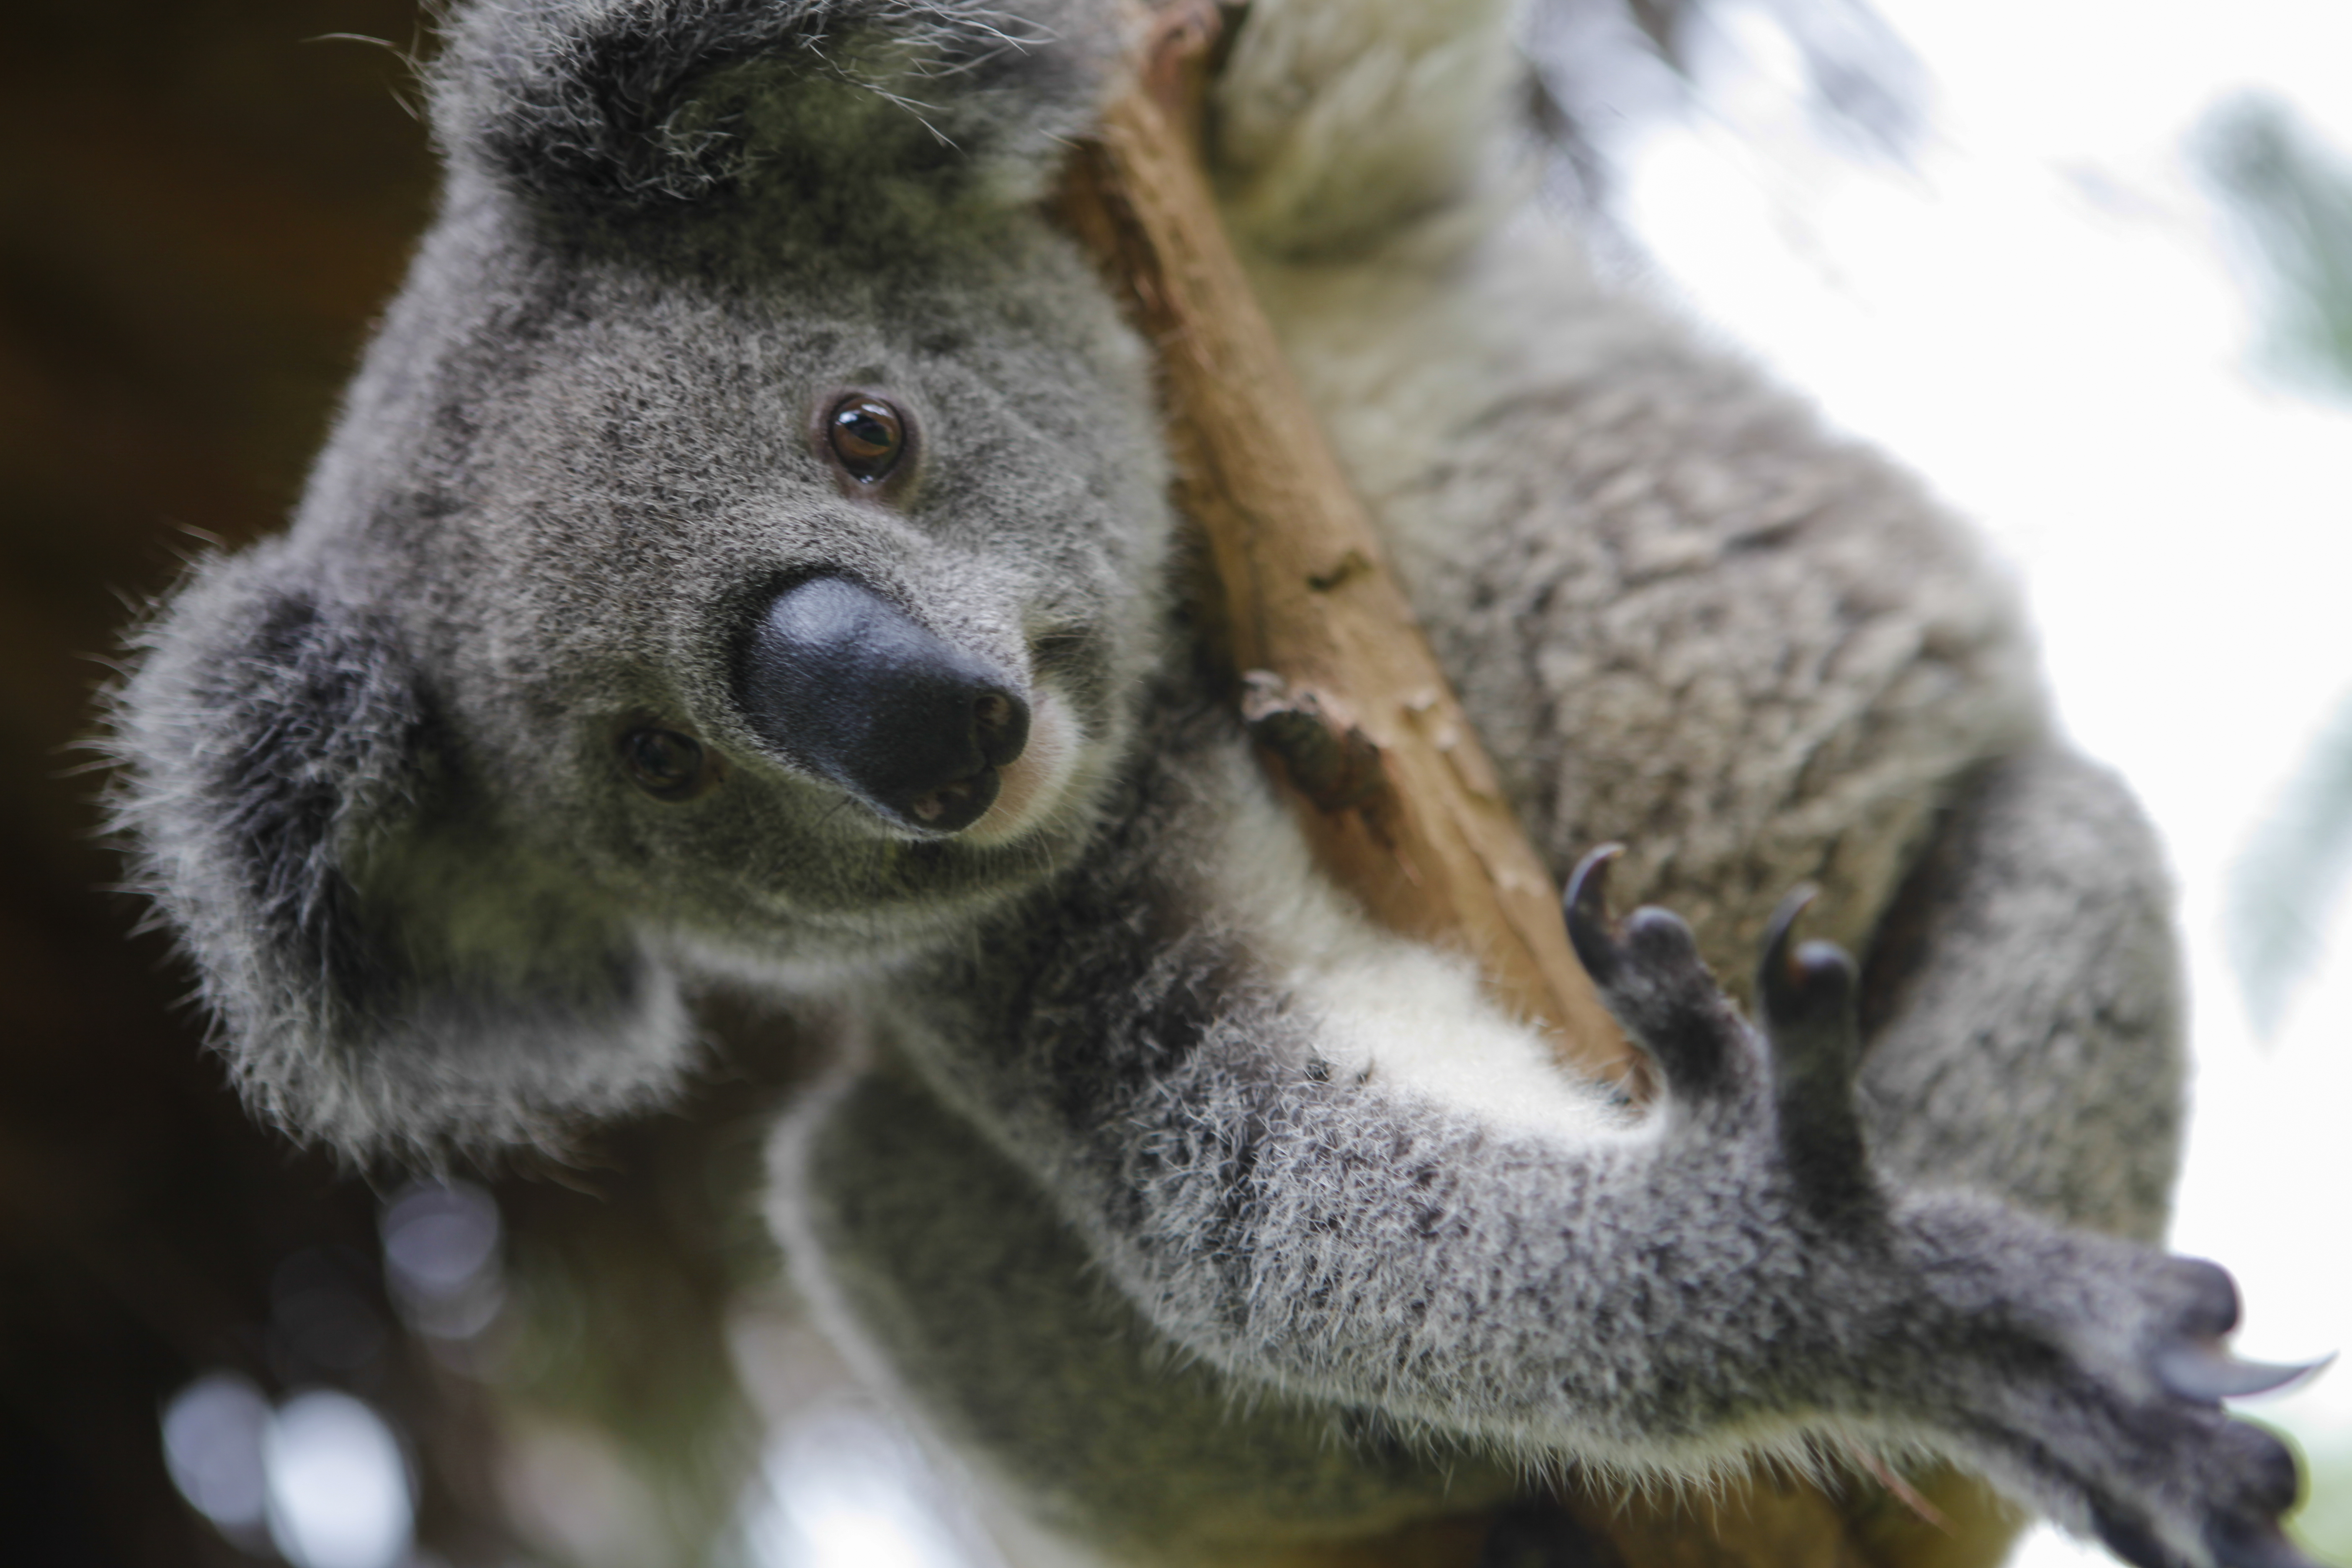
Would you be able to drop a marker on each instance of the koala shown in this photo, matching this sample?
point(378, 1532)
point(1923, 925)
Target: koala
point(743, 558)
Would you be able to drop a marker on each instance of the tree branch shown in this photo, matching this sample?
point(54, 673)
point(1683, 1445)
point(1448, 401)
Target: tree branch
point(1342, 689)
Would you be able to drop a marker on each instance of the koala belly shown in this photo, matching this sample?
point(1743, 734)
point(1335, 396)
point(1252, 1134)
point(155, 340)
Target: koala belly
point(927, 1252)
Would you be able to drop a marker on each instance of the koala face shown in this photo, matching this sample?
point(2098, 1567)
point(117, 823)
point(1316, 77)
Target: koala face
point(802, 618)
point(739, 551)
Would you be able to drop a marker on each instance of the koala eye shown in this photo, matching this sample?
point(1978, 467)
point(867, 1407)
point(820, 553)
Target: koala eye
point(666, 765)
point(867, 437)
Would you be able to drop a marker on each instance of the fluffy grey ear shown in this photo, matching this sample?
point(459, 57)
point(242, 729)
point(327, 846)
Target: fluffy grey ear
point(652, 101)
point(387, 970)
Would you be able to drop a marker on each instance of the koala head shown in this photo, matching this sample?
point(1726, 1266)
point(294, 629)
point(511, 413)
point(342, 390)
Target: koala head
point(738, 553)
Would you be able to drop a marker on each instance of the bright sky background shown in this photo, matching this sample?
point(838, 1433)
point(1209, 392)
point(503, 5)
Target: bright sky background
point(2042, 316)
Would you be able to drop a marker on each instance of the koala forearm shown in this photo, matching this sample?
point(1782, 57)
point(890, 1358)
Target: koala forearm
point(1731, 1275)
point(1261, 1139)
point(1663, 1295)
point(1301, 1228)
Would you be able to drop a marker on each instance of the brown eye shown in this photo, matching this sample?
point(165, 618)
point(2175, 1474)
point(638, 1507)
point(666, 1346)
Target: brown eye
point(867, 437)
point(666, 765)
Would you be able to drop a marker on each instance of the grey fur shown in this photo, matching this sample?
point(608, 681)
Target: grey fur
point(1132, 1185)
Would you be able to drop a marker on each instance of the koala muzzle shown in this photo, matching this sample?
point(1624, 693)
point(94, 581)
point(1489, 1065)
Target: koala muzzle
point(844, 684)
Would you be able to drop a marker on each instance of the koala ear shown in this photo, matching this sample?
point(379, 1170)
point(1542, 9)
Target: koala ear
point(387, 971)
point(652, 101)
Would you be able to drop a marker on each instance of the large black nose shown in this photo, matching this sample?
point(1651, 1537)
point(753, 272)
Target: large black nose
point(841, 681)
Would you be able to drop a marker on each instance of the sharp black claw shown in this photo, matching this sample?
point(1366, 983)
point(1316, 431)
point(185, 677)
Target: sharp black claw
point(2202, 1371)
point(1784, 921)
point(1586, 905)
point(1789, 983)
point(1808, 996)
point(1647, 970)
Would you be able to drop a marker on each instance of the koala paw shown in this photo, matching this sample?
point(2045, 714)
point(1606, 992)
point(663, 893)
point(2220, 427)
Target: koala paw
point(2084, 1372)
point(2193, 1486)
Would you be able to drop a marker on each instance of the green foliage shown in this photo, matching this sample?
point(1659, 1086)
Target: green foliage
point(2324, 1524)
point(2294, 198)
point(2284, 883)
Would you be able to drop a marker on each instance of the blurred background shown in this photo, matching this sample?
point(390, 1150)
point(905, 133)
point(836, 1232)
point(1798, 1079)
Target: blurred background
point(2086, 265)
point(215, 1349)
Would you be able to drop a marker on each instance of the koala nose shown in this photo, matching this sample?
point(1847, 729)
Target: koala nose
point(844, 684)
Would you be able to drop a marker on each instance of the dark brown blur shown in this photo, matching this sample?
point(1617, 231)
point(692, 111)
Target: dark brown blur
point(205, 202)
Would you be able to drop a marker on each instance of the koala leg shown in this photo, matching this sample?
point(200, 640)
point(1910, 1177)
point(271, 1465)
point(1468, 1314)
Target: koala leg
point(2023, 1004)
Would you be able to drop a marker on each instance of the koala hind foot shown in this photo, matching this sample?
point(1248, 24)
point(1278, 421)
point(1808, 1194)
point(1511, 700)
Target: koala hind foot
point(2082, 1372)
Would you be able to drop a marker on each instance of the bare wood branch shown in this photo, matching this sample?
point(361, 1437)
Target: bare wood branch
point(1392, 785)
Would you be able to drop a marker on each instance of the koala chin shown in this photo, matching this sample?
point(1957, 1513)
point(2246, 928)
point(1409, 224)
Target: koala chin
point(745, 550)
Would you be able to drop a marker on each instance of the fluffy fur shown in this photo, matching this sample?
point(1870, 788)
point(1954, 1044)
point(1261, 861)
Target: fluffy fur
point(1203, 1217)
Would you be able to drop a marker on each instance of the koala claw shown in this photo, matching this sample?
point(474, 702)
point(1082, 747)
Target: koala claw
point(2191, 1363)
point(2230, 1481)
point(1586, 905)
point(1806, 995)
point(1648, 972)
point(1793, 984)
point(2197, 1369)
